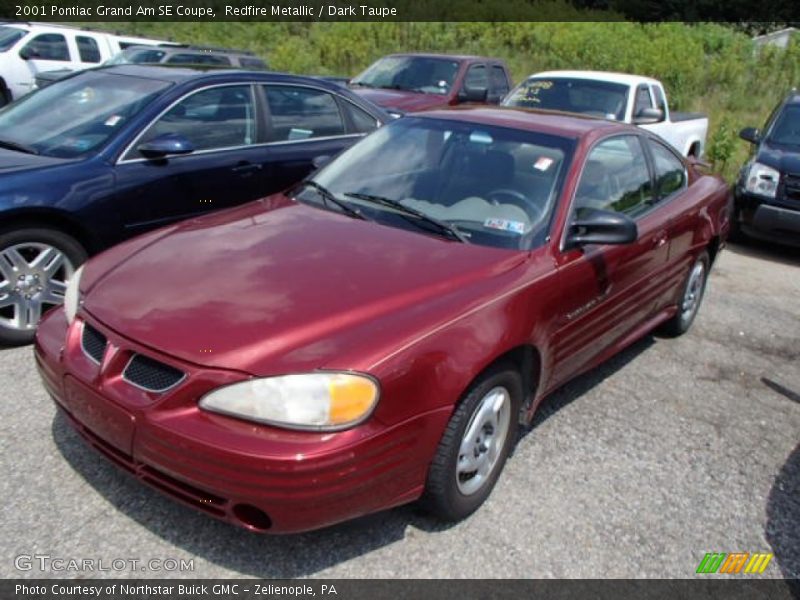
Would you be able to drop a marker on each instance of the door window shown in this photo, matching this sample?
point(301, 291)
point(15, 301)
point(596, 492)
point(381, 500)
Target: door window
point(476, 77)
point(661, 103)
point(643, 99)
point(669, 170)
point(615, 177)
point(88, 49)
point(48, 46)
point(220, 117)
point(299, 113)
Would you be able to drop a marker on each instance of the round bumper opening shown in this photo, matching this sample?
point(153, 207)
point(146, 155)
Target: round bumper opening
point(252, 517)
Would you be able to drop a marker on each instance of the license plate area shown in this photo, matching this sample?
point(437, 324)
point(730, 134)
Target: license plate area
point(100, 416)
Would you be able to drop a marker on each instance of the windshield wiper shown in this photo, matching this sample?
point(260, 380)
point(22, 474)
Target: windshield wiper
point(444, 228)
point(327, 197)
point(18, 147)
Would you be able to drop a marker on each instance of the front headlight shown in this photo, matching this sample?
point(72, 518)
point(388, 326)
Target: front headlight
point(762, 180)
point(72, 296)
point(318, 401)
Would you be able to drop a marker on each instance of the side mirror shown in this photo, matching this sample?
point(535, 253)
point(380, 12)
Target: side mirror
point(601, 227)
point(648, 116)
point(165, 145)
point(750, 134)
point(473, 94)
point(26, 53)
point(320, 161)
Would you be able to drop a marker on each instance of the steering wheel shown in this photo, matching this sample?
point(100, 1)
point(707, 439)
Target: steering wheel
point(509, 196)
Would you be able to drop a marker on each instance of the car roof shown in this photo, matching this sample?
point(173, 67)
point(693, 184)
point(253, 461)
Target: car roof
point(182, 73)
point(623, 78)
point(175, 48)
point(447, 56)
point(539, 121)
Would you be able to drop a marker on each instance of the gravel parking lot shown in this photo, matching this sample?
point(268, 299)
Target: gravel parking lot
point(673, 449)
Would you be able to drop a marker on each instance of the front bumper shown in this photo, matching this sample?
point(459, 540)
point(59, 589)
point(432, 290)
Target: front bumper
point(768, 221)
point(256, 476)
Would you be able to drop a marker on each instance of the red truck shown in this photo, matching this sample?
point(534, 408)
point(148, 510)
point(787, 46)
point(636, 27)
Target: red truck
point(414, 82)
point(376, 334)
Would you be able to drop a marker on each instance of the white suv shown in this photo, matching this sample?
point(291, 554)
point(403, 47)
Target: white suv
point(30, 48)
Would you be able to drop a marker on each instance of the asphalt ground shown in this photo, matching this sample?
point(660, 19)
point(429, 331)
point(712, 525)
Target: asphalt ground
point(670, 450)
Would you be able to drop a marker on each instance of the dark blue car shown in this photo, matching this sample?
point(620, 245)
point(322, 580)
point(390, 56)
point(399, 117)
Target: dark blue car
point(109, 153)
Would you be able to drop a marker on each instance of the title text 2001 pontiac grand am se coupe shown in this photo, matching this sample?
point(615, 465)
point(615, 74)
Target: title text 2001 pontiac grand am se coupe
point(376, 334)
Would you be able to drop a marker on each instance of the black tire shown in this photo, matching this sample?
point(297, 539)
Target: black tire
point(73, 252)
point(5, 95)
point(683, 319)
point(736, 235)
point(444, 495)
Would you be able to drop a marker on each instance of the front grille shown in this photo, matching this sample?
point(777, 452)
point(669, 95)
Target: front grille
point(93, 343)
point(150, 374)
point(791, 186)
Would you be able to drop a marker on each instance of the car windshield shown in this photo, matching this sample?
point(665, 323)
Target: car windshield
point(585, 96)
point(9, 36)
point(411, 73)
point(77, 115)
point(787, 127)
point(493, 186)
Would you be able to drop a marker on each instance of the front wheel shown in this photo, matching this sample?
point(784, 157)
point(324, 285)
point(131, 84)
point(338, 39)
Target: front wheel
point(35, 266)
point(475, 445)
point(692, 292)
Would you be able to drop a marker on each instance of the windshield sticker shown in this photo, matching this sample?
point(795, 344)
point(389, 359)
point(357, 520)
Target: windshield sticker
point(113, 120)
point(517, 227)
point(543, 163)
point(529, 91)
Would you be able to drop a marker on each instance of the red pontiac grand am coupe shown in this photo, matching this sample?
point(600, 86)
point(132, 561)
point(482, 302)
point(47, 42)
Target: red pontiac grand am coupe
point(376, 334)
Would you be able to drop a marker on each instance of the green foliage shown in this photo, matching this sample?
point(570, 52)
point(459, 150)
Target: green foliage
point(721, 145)
point(704, 66)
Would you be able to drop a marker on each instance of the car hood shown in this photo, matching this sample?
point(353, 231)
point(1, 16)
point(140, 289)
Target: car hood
point(779, 156)
point(401, 100)
point(12, 161)
point(276, 286)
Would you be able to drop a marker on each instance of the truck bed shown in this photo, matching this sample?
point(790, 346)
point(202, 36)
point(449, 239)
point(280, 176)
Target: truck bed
point(685, 116)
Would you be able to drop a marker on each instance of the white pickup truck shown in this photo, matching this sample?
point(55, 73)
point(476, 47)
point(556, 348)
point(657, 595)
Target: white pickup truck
point(617, 96)
point(30, 48)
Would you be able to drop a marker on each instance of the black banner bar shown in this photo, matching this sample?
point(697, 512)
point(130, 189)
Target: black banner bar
point(739, 11)
point(343, 589)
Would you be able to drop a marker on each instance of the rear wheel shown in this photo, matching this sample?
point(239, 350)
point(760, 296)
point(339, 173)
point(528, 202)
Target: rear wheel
point(35, 266)
point(475, 445)
point(691, 297)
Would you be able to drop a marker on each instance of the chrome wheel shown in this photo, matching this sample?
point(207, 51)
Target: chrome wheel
point(33, 278)
point(694, 291)
point(483, 441)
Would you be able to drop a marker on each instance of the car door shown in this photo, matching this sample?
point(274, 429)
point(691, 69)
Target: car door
point(681, 205)
point(304, 123)
point(226, 167)
point(608, 291)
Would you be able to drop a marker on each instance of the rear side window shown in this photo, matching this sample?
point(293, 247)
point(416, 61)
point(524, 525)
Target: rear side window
point(145, 56)
point(499, 80)
point(298, 113)
point(361, 119)
point(88, 49)
point(670, 174)
point(615, 177)
point(660, 102)
point(48, 46)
